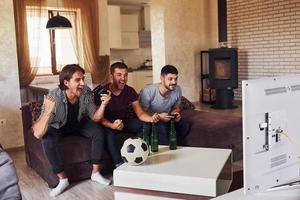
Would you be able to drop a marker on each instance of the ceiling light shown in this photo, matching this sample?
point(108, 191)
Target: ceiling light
point(58, 22)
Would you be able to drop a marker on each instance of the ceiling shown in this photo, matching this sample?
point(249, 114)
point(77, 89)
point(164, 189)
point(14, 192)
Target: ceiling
point(128, 2)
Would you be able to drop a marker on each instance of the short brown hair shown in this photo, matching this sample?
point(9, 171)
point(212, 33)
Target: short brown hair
point(67, 73)
point(168, 69)
point(119, 65)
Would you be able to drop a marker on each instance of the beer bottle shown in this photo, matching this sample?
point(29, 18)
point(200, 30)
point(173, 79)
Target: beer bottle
point(172, 136)
point(154, 139)
point(145, 135)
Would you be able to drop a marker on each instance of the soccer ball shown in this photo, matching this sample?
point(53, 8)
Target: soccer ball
point(134, 151)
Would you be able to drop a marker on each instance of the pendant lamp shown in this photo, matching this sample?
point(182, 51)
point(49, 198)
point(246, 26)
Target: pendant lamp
point(58, 22)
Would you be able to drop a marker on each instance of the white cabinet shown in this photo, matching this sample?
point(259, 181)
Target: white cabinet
point(123, 29)
point(114, 27)
point(131, 79)
point(129, 34)
point(130, 40)
point(140, 79)
point(147, 24)
point(129, 23)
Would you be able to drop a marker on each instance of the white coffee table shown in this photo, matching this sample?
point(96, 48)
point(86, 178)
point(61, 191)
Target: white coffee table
point(187, 170)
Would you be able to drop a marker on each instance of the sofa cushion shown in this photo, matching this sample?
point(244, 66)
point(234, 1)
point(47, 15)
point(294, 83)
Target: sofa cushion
point(35, 108)
point(186, 104)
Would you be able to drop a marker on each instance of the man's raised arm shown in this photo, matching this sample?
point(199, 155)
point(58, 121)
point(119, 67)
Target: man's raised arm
point(41, 126)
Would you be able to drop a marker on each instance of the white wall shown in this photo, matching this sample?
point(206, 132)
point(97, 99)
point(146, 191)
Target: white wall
point(11, 135)
point(180, 29)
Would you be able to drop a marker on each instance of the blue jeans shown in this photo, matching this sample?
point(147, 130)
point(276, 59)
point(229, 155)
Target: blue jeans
point(86, 128)
point(163, 128)
point(130, 126)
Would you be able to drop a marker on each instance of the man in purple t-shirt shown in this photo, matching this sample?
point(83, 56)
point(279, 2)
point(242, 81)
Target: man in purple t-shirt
point(115, 116)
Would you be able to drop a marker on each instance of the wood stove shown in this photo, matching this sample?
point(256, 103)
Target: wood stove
point(223, 70)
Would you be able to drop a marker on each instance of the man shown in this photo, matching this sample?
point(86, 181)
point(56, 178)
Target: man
point(116, 118)
point(164, 98)
point(70, 109)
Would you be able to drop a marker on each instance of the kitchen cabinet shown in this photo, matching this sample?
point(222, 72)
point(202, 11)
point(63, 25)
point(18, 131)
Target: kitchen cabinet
point(146, 20)
point(145, 33)
point(122, 29)
point(114, 27)
point(130, 40)
point(129, 23)
point(140, 79)
point(129, 31)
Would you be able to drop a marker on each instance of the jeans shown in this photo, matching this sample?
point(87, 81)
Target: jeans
point(130, 126)
point(163, 128)
point(86, 128)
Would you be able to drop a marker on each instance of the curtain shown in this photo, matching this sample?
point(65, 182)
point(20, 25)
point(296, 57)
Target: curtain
point(27, 69)
point(89, 35)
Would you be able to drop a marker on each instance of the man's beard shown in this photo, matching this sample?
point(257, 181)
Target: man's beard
point(170, 87)
point(119, 85)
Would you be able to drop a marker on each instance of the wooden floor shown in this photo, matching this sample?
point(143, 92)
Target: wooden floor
point(33, 187)
point(233, 112)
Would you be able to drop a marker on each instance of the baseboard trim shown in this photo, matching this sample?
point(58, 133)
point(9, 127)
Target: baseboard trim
point(14, 149)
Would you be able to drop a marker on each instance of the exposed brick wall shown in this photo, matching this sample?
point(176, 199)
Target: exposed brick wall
point(267, 35)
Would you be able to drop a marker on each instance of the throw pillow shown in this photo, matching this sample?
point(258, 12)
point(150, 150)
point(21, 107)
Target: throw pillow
point(186, 104)
point(35, 108)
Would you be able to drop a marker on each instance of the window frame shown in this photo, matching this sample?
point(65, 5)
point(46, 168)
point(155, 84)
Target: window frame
point(52, 12)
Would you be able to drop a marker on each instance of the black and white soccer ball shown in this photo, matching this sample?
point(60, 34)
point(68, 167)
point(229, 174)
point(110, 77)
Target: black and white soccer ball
point(134, 151)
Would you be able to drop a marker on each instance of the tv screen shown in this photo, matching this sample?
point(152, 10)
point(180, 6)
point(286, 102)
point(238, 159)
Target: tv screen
point(271, 132)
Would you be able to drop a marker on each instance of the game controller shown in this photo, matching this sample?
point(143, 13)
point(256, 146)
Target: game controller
point(174, 115)
point(100, 90)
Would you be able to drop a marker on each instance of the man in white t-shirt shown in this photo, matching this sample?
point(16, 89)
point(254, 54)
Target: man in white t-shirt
point(164, 98)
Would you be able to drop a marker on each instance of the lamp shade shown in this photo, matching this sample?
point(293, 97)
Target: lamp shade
point(58, 22)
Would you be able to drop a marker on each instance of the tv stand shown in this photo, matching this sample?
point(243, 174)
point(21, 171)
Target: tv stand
point(290, 194)
point(224, 99)
point(287, 186)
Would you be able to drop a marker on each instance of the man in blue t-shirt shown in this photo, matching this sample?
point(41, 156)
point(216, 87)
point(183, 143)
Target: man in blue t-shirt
point(116, 118)
point(164, 98)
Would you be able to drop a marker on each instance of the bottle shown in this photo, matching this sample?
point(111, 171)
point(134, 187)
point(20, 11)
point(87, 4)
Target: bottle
point(172, 136)
point(154, 139)
point(146, 137)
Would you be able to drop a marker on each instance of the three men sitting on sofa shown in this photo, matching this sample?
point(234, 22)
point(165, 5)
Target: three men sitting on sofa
point(70, 109)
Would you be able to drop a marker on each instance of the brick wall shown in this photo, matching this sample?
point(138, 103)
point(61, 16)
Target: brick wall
point(267, 35)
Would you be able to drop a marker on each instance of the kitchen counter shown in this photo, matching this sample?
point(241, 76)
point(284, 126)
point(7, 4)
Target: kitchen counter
point(139, 69)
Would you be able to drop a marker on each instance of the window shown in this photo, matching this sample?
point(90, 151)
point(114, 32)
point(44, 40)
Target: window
point(50, 50)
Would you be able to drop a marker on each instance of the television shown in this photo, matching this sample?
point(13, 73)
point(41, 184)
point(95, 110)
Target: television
point(271, 133)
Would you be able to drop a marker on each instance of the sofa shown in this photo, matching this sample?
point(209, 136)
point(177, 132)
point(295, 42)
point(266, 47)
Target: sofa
point(207, 130)
point(9, 187)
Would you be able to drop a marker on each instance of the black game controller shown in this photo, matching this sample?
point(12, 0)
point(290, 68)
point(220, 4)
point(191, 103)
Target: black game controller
point(104, 91)
point(174, 115)
point(100, 90)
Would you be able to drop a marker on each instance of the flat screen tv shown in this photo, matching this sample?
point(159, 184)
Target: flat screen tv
point(271, 133)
